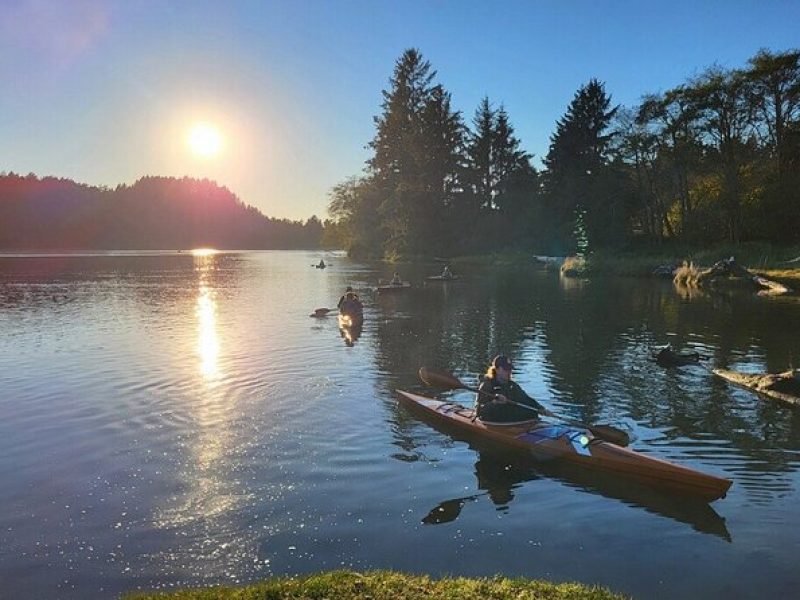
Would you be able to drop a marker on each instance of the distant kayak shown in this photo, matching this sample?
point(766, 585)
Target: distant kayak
point(393, 287)
point(442, 278)
point(784, 387)
point(575, 445)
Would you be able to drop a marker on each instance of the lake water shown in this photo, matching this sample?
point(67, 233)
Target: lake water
point(179, 420)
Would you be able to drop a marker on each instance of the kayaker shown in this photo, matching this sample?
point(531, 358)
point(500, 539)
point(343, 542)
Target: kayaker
point(321, 264)
point(446, 273)
point(498, 393)
point(396, 279)
point(350, 303)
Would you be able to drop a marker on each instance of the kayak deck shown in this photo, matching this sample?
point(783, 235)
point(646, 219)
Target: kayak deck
point(548, 441)
point(348, 321)
point(776, 387)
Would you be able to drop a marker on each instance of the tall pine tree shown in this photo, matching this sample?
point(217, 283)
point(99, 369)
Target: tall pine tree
point(580, 186)
point(417, 147)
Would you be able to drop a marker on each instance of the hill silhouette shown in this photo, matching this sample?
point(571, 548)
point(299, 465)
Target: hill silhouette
point(155, 213)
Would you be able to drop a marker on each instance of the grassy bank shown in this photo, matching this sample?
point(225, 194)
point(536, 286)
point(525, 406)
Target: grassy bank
point(772, 262)
point(390, 585)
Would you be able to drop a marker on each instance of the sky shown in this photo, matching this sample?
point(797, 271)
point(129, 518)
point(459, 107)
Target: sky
point(105, 92)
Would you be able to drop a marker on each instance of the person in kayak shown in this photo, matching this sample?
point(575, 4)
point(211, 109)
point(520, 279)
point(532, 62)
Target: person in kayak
point(446, 273)
point(396, 279)
point(321, 264)
point(350, 304)
point(498, 393)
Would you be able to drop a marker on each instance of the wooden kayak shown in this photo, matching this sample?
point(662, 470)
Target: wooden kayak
point(393, 287)
point(782, 386)
point(573, 445)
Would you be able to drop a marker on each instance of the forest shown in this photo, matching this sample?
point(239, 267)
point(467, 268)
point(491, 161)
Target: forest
point(155, 213)
point(716, 160)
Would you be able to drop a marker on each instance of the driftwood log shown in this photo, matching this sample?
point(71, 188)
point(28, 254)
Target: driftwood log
point(779, 386)
point(729, 267)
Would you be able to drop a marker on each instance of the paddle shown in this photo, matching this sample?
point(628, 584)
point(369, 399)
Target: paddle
point(449, 381)
point(321, 312)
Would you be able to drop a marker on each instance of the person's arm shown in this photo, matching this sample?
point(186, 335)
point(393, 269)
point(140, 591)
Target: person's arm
point(485, 387)
point(519, 395)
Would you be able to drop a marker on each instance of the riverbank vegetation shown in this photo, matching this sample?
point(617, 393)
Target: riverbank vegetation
point(715, 160)
point(388, 585)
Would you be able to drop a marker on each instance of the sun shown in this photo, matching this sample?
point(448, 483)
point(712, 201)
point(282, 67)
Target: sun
point(204, 140)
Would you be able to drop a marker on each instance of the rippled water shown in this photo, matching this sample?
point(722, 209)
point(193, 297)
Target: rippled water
point(178, 419)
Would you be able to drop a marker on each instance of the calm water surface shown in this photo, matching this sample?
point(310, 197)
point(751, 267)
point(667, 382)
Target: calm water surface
point(179, 420)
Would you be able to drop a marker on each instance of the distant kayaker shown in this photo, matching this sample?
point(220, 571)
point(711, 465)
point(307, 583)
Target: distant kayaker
point(321, 264)
point(446, 273)
point(396, 279)
point(495, 403)
point(350, 304)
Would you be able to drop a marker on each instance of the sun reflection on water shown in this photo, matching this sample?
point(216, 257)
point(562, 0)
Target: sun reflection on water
point(207, 339)
point(209, 495)
point(203, 252)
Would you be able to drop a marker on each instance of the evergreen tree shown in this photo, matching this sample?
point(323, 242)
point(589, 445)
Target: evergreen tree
point(417, 145)
point(578, 179)
point(480, 155)
point(514, 176)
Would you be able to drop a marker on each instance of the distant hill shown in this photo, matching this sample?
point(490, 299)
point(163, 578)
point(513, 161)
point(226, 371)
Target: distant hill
point(155, 213)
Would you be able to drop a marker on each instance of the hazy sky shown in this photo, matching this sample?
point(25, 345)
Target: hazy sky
point(105, 92)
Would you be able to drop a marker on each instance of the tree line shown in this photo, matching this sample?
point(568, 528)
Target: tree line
point(716, 159)
point(156, 213)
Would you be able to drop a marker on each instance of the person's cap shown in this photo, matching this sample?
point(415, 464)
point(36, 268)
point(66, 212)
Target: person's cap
point(501, 361)
point(349, 289)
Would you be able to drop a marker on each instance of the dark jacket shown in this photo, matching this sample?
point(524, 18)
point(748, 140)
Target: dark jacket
point(349, 304)
point(497, 412)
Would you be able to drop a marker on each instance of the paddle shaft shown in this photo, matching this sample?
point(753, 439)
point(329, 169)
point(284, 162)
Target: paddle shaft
point(606, 432)
point(494, 396)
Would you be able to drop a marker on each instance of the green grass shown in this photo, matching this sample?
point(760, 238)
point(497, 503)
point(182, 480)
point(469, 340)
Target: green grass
point(390, 585)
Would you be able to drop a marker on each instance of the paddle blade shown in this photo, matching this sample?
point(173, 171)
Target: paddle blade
point(611, 434)
point(440, 380)
point(321, 312)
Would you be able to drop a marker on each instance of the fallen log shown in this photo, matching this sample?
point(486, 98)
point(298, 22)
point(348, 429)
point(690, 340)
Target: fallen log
point(729, 267)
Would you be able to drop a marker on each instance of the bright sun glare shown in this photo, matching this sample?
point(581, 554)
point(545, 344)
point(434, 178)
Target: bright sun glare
point(205, 140)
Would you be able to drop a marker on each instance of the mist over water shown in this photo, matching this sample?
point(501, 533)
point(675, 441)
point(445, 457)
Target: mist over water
point(180, 420)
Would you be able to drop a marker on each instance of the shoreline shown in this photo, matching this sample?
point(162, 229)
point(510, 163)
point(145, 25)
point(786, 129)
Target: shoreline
point(389, 585)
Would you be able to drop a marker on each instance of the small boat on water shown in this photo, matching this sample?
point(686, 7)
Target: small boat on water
point(393, 287)
point(784, 387)
point(442, 278)
point(575, 445)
